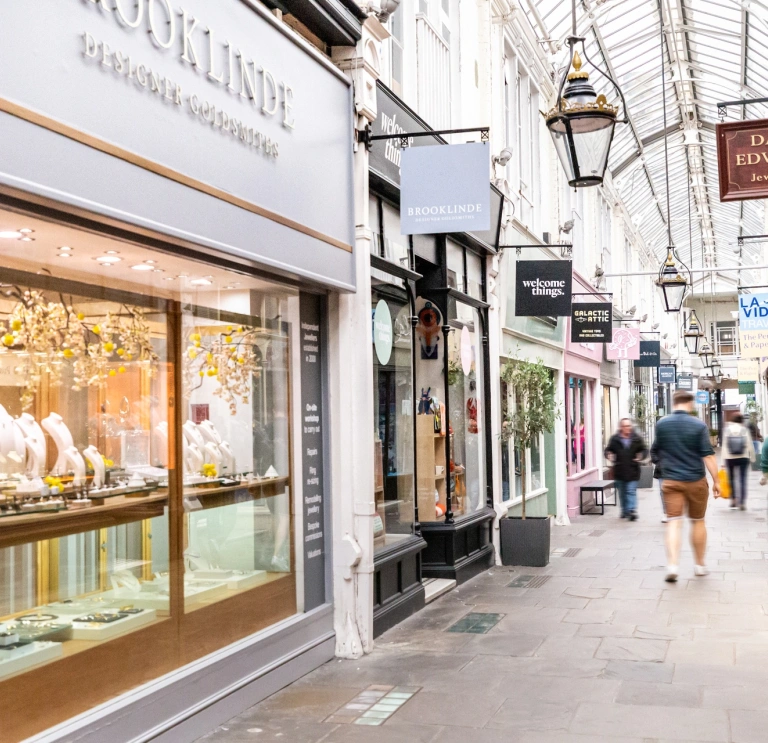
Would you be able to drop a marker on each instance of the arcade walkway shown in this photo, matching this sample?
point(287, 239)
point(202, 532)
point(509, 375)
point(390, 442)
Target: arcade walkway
point(591, 649)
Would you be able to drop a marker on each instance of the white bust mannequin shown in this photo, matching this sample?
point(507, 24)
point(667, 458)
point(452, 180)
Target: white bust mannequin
point(34, 441)
point(227, 458)
point(193, 458)
point(209, 432)
point(11, 438)
point(161, 431)
point(99, 468)
point(193, 435)
point(68, 453)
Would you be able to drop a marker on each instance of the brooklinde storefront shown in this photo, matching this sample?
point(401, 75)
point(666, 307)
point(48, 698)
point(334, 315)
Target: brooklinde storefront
point(432, 441)
point(168, 241)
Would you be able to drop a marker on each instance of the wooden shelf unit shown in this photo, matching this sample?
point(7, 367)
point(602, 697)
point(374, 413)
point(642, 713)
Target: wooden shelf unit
point(430, 453)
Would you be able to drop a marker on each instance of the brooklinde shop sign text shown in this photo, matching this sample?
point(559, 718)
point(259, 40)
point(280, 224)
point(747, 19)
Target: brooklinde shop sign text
point(217, 60)
point(444, 188)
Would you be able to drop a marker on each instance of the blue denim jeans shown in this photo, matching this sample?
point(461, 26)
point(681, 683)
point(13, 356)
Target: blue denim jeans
point(627, 496)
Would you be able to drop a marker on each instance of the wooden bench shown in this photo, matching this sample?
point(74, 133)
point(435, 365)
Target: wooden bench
point(598, 488)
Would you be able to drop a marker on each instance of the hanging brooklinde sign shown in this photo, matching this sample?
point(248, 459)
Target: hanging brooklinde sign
point(543, 288)
point(742, 159)
point(592, 322)
point(444, 188)
point(216, 96)
point(650, 354)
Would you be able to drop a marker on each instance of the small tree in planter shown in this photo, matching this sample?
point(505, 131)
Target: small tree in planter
point(533, 413)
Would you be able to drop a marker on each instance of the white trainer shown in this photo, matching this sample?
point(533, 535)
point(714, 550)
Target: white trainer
point(700, 570)
point(671, 574)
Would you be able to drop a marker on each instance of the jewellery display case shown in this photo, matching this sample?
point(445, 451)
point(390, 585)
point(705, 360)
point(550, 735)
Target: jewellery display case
point(146, 476)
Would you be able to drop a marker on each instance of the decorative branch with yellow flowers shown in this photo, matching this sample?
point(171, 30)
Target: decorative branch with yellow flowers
point(232, 358)
point(44, 334)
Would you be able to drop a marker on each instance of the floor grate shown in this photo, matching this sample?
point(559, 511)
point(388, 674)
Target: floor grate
point(476, 623)
point(374, 706)
point(538, 581)
point(572, 552)
point(529, 581)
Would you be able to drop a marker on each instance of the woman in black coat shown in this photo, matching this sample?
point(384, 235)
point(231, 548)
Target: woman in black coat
point(626, 450)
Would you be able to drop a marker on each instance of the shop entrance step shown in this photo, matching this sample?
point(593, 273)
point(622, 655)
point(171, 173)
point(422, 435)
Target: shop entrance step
point(434, 588)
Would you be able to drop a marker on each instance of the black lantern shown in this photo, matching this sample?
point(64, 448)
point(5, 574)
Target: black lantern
point(673, 282)
point(717, 370)
point(692, 334)
point(582, 122)
point(706, 354)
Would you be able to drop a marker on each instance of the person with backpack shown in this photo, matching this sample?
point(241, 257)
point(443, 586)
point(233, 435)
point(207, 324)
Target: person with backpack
point(738, 452)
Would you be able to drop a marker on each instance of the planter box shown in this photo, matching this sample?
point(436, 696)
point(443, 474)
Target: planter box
point(646, 476)
point(525, 541)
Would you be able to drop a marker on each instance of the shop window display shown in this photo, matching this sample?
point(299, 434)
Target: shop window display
point(393, 410)
point(451, 448)
point(130, 525)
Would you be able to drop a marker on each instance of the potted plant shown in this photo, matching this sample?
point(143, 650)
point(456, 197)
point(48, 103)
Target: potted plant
point(525, 540)
point(638, 409)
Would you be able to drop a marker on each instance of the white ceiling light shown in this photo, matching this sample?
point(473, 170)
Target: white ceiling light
point(65, 255)
point(201, 282)
point(26, 231)
point(64, 247)
point(11, 234)
point(112, 252)
point(141, 267)
point(107, 259)
point(150, 262)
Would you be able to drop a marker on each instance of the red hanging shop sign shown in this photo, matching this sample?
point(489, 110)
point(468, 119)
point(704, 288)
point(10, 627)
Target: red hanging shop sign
point(742, 159)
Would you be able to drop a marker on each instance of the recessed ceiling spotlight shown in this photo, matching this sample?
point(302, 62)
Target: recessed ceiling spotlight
point(28, 239)
point(158, 270)
point(141, 267)
point(201, 282)
point(65, 255)
point(26, 231)
point(64, 247)
point(112, 252)
point(229, 286)
point(170, 278)
point(183, 275)
point(10, 234)
point(150, 262)
point(107, 259)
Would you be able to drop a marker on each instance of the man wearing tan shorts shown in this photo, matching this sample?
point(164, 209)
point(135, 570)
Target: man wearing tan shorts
point(683, 450)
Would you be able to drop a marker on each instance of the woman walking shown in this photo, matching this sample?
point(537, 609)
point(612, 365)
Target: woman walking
point(738, 452)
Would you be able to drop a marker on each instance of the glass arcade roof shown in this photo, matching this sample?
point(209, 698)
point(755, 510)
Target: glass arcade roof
point(713, 50)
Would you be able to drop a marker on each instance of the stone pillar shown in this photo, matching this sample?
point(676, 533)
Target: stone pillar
point(351, 388)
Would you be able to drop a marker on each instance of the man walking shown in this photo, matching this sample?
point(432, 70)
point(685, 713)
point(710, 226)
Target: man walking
point(683, 450)
point(738, 453)
point(626, 449)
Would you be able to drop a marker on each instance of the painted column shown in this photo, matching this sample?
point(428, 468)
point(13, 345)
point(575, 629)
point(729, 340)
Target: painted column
point(351, 388)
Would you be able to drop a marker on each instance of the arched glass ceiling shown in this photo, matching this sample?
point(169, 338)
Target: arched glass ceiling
point(714, 50)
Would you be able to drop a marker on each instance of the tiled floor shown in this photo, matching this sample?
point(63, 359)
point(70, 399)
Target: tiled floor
point(603, 651)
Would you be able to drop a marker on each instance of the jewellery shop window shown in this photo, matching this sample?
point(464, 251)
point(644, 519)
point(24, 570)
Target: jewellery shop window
point(450, 436)
point(104, 535)
point(393, 410)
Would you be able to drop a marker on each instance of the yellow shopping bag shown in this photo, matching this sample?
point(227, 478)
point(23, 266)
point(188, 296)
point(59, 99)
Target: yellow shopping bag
point(725, 485)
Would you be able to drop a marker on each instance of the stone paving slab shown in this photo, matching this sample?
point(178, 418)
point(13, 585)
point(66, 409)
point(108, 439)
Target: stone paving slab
point(604, 651)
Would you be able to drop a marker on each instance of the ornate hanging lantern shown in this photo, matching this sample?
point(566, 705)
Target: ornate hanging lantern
point(706, 354)
point(673, 281)
point(693, 334)
point(582, 122)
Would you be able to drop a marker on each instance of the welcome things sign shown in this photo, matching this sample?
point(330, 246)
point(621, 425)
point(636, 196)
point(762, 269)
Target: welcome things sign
point(543, 288)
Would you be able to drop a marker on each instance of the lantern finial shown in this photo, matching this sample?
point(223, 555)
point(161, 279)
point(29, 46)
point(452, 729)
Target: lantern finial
point(577, 74)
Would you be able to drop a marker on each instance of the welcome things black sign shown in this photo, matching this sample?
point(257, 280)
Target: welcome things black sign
point(543, 288)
